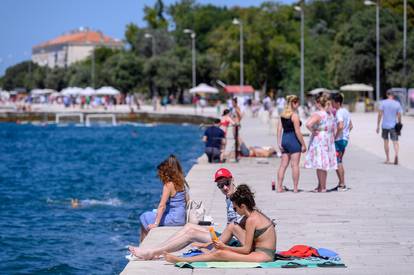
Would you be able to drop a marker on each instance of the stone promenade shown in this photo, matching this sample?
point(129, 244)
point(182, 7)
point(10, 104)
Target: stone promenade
point(371, 226)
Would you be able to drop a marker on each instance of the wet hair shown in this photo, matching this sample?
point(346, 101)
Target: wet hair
point(243, 195)
point(217, 121)
point(288, 111)
point(338, 98)
point(225, 112)
point(323, 100)
point(170, 170)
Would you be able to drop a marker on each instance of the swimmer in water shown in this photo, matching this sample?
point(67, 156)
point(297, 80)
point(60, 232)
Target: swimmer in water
point(74, 203)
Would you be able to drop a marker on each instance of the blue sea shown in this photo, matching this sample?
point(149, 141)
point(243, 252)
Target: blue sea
point(111, 170)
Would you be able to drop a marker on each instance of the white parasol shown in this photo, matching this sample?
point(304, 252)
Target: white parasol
point(107, 91)
point(204, 88)
point(71, 91)
point(88, 91)
point(357, 87)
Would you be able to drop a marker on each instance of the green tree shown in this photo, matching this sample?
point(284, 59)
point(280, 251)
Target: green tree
point(123, 71)
point(155, 16)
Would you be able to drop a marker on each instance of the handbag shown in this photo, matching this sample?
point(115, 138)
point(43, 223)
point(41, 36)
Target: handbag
point(398, 128)
point(195, 211)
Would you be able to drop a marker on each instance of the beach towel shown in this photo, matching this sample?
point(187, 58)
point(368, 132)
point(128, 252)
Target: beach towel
point(311, 262)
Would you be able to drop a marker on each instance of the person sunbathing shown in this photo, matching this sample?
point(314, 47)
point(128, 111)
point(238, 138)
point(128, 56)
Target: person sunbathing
point(259, 238)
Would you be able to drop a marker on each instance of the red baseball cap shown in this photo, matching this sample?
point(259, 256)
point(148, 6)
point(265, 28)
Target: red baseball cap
point(222, 173)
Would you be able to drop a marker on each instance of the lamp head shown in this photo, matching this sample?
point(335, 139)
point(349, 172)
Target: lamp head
point(369, 3)
point(188, 31)
point(236, 21)
point(297, 8)
point(147, 35)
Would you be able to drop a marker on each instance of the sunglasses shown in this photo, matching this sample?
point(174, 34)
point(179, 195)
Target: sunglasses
point(221, 184)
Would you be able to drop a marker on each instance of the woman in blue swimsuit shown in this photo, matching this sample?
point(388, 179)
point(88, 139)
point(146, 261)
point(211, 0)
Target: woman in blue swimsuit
point(171, 209)
point(291, 143)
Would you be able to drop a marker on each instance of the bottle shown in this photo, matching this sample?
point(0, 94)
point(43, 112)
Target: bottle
point(213, 234)
point(273, 185)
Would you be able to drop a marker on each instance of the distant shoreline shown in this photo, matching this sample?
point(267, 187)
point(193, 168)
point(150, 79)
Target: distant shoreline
point(144, 117)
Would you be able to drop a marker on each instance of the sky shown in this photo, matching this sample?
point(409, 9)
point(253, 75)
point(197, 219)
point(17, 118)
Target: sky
point(25, 23)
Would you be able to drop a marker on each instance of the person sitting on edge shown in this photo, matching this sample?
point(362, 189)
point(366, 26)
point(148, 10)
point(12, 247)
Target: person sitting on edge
point(259, 238)
point(214, 137)
point(171, 209)
point(195, 233)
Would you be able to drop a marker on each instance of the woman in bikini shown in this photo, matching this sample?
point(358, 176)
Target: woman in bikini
point(258, 238)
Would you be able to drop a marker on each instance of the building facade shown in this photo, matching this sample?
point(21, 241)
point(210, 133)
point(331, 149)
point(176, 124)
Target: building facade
point(71, 47)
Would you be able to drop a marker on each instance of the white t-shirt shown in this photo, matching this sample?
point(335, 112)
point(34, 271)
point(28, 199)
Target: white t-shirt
point(342, 115)
point(280, 102)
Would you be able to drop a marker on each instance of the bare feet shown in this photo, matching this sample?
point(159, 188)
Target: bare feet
point(281, 189)
point(141, 253)
point(172, 258)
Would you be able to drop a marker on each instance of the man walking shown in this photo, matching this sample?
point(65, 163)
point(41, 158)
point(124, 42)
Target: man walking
point(344, 127)
point(390, 112)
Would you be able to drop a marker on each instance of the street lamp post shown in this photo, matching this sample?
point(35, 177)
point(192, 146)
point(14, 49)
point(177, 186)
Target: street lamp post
point(302, 52)
point(148, 35)
point(193, 36)
point(239, 22)
point(405, 45)
point(377, 5)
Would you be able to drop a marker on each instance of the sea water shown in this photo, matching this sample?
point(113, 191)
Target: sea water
point(110, 170)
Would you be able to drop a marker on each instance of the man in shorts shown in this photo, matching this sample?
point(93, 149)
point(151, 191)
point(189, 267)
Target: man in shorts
point(344, 127)
point(390, 112)
point(196, 234)
point(214, 138)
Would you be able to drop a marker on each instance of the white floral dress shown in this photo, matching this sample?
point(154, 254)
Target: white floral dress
point(321, 152)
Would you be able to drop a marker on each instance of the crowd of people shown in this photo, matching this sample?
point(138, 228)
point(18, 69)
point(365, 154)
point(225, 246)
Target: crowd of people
point(329, 126)
point(25, 101)
point(250, 236)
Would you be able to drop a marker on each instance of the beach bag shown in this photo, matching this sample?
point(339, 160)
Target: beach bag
point(195, 211)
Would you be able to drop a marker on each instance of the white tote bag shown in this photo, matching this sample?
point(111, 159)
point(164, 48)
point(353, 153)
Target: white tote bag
point(195, 211)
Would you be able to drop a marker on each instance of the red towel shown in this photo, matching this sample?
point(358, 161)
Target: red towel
point(300, 251)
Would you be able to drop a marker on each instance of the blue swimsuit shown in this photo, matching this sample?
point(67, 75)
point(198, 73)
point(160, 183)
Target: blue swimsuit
point(290, 142)
point(174, 214)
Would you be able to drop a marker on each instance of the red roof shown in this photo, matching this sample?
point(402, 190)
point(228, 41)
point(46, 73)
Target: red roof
point(236, 89)
point(81, 36)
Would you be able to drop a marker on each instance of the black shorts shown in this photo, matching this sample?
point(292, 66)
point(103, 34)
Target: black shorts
point(390, 133)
